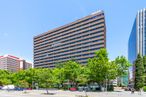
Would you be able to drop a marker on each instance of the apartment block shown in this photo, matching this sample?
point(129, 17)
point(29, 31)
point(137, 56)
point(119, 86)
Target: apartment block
point(77, 40)
point(13, 64)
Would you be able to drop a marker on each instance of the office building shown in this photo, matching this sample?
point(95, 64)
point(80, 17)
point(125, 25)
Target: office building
point(13, 64)
point(137, 39)
point(77, 40)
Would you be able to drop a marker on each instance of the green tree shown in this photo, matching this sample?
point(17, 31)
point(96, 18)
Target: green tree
point(46, 78)
point(83, 76)
point(122, 70)
point(112, 71)
point(98, 67)
point(139, 73)
point(31, 76)
point(71, 71)
point(123, 65)
point(5, 81)
point(5, 77)
point(18, 76)
point(59, 76)
point(144, 63)
point(23, 84)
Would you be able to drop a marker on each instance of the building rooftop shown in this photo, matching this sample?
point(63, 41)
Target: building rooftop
point(58, 28)
point(13, 57)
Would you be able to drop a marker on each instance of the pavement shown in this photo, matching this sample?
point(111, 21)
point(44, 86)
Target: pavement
point(60, 93)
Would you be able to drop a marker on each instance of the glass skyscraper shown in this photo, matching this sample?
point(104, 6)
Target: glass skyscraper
point(137, 39)
point(132, 45)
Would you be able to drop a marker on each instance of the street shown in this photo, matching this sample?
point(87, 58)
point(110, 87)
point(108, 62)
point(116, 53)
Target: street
point(60, 93)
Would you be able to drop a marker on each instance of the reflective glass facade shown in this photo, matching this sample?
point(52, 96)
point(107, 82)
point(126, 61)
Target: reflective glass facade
point(137, 39)
point(132, 53)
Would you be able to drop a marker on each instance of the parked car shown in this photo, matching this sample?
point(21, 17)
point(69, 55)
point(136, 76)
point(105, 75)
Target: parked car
point(28, 88)
point(95, 88)
point(1, 87)
point(8, 87)
point(73, 89)
point(80, 88)
point(19, 89)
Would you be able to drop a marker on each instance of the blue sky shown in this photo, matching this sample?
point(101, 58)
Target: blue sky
point(21, 20)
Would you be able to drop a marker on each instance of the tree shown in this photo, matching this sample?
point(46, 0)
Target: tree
point(59, 76)
point(19, 77)
point(98, 67)
point(144, 63)
point(122, 69)
point(31, 76)
point(102, 71)
point(5, 81)
point(112, 71)
point(123, 65)
point(83, 76)
point(139, 73)
point(23, 84)
point(71, 71)
point(112, 74)
point(46, 78)
point(5, 77)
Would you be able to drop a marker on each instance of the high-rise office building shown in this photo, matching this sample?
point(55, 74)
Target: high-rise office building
point(137, 39)
point(13, 64)
point(77, 40)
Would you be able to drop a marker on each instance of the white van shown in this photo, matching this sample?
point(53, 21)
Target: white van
point(8, 87)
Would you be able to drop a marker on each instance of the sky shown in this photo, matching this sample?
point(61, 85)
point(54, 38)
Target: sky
point(21, 20)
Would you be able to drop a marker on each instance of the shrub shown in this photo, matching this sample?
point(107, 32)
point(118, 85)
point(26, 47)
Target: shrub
point(144, 88)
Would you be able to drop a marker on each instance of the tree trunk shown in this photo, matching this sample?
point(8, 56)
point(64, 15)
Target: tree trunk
point(47, 91)
point(47, 88)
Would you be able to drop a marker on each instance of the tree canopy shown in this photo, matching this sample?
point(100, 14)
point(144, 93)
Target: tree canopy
point(98, 69)
point(139, 73)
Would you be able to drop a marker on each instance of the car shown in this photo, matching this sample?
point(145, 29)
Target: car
point(8, 87)
point(19, 89)
point(80, 88)
point(28, 88)
point(1, 87)
point(73, 89)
